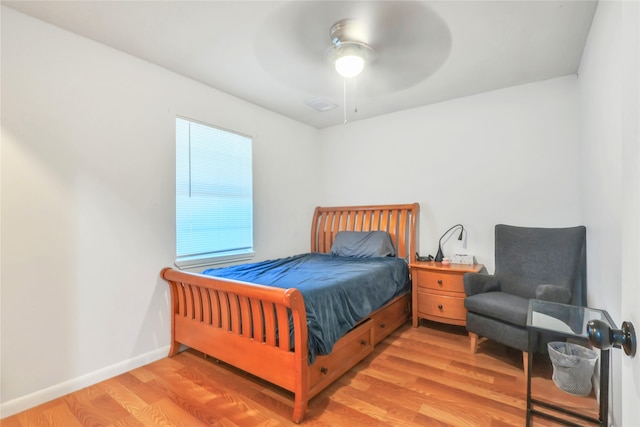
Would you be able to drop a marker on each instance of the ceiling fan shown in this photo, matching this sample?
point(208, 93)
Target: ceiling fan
point(401, 44)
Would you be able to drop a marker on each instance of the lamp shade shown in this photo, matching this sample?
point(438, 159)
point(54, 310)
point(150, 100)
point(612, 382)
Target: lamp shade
point(349, 58)
point(349, 65)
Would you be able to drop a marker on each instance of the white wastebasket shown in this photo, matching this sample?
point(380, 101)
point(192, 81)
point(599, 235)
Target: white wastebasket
point(573, 366)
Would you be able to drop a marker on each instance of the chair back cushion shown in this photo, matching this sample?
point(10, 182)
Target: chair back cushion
point(526, 257)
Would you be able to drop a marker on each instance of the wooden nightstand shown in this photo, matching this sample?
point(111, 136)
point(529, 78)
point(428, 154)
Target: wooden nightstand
point(438, 291)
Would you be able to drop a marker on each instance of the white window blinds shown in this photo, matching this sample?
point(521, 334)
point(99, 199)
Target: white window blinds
point(214, 194)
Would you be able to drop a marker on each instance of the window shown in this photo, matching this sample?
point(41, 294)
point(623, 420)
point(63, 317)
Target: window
point(214, 195)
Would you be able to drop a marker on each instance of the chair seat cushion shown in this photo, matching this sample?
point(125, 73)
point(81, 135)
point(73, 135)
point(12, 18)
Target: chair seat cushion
point(499, 305)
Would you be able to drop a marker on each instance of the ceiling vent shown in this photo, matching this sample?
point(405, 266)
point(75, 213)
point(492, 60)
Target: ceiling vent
point(321, 104)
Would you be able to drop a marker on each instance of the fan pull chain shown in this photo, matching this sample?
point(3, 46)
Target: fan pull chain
point(344, 99)
point(355, 95)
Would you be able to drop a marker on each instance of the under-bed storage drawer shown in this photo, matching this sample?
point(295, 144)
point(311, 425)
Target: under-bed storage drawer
point(349, 350)
point(390, 318)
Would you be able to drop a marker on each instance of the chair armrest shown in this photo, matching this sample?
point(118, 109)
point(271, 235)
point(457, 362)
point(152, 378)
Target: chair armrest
point(553, 293)
point(477, 283)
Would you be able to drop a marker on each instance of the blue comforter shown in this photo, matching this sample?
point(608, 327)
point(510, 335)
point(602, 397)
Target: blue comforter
point(338, 291)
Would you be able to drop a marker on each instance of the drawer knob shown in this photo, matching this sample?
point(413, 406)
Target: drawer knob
point(383, 325)
point(324, 370)
point(363, 342)
point(440, 282)
point(440, 307)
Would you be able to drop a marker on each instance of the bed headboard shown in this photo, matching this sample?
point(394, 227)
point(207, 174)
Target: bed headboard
point(398, 220)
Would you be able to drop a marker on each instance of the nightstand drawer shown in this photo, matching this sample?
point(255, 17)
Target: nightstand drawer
point(441, 306)
point(440, 280)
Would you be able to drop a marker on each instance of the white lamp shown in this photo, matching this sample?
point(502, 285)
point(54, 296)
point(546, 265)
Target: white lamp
point(349, 65)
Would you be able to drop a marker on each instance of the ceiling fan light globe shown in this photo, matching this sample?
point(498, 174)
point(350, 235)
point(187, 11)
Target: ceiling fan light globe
point(349, 65)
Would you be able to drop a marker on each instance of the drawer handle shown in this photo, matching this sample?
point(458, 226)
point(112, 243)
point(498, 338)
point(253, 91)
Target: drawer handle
point(440, 282)
point(440, 307)
point(363, 342)
point(383, 325)
point(324, 370)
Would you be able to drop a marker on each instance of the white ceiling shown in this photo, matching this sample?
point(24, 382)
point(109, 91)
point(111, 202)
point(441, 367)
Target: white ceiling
point(272, 53)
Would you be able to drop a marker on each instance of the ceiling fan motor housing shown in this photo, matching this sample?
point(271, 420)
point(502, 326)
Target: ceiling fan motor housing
point(348, 38)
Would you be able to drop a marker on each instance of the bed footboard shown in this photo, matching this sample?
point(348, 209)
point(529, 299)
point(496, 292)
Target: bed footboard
point(245, 325)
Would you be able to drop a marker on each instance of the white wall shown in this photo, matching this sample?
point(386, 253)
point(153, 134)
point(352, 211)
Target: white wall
point(609, 115)
point(507, 156)
point(87, 188)
point(88, 200)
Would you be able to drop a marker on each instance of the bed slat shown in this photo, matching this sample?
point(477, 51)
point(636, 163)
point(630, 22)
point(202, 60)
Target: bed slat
point(344, 216)
point(188, 304)
point(216, 316)
point(269, 325)
point(401, 237)
point(357, 221)
point(197, 302)
point(376, 220)
point(182, 306)
point(225, 318)
point(258, 319)
point(328, 238)
point(352, 220)
point(234, 313)
point(384, 222)
point(206, 310)
point(245, 314)
point(393, 223)
point(366, 226)
point(283, 328)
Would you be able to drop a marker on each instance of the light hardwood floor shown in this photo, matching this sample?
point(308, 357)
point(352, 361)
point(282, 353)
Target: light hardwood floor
point(421, 376)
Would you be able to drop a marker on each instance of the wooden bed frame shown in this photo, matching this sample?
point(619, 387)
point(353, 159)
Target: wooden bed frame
point(236, 322)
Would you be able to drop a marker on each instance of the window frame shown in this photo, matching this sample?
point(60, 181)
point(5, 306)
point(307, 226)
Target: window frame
point(206, 259)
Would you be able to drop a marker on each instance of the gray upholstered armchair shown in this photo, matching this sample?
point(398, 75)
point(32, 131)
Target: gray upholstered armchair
point(541, 263)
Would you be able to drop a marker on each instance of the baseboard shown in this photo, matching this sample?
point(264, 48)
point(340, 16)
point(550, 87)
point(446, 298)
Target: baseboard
point(41, 396)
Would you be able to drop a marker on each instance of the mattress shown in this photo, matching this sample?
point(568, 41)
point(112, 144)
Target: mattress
point(338, 291)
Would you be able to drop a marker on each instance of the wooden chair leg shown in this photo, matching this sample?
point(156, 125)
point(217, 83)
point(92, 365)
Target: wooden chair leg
point(473, 342)
point(525, 363)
